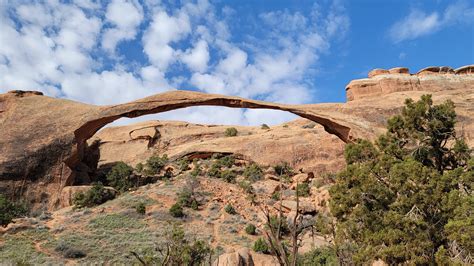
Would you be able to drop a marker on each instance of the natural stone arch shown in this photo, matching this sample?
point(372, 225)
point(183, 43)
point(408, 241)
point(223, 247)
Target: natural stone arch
point(63, 127)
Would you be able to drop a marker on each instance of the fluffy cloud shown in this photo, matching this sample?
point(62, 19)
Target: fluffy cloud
point(419, 23)
point(69, 49)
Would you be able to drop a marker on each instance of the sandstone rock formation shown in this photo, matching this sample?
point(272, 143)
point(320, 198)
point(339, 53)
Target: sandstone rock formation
point(43, 140)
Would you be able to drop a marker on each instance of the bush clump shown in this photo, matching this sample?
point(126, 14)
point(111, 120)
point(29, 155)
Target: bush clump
point(228, 176)
point(155, 163)
point(246, 186)
point(187, 199)
point(140, 208)
point(230, 209)
point(261, 246)
point(231, 132)
point(253, 172)
point(227, 161)
point(283, 169)
point(69, 252)
point(265, 126)
point(303, 190)
point(183, 164)
point(275, 222)
point(10, 210)
point(251, 229)
point(177, 210)
point(318, 256)
point(96, 195)
point(119, 176)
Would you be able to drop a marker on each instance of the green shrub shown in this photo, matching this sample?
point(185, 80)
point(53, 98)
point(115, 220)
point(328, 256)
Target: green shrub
point(10, 210)
point(318, 256)
point(187, 199)
point(155, 163)
point(194, 205)
point(231, 132)
point(214, 170)
point(230, 209)
point(251, 229)
point(253, 172)
point(96, 195)
point(196, 170)
point(139, 167)
point(283, 169)
point(284, 229)
point(176, 210)
point(69, 252)
point(183, 164)
point(119, 176)
point(276, 195)
point(140, 208)
point(228, 176)
point(227, 161)
point(285, 125)
point(246, 186)
point(261, 246)
point(302, 189)
point(265, 126)
point(310, 125)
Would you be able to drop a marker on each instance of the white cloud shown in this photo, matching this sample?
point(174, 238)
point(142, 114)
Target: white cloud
point(69, 49)
point(125, 16)
point(197, 58)
point(418, 23)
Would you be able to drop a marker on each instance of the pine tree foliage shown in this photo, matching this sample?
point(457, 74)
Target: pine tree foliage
point(407, 198)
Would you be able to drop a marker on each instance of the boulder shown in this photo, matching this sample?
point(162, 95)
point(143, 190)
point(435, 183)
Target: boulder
point(377, 71)
point(245, 257)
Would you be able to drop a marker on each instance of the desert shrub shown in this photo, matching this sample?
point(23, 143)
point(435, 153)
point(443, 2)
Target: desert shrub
point(283, 169)
point(318, 256)
point(276, 195)
point(214, 170)
point(228, 176)
point(309, 125)
point(265, 126)
point(186, 198)
point(10, 210)
point(251, 229)
point(275, 222)
point(155, 163)
point(96, 195)
point(177, 249)
point(303, 189)
point(183, 164)
point(253, 172)
point(140, 208)
point(196, 170)
point(139, 167)
point(261, 246)
point(227, 161)
point(246, 186)
point(231, 132)
point(230, 209)
point(119, 176)
point(68, 251)
point(177, 210)
point(285, 125)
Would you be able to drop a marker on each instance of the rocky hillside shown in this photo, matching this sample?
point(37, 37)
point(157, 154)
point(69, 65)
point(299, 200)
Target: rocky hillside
point(52, 149)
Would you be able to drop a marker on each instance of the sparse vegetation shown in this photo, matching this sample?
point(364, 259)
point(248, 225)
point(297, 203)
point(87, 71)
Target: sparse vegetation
point(303, 189)
point(227, 161)
point(119, 176)
point(178, 250)
point(276, 195)
point(253, 172)
point(69, 252)
point(261, 246)
point(309, 125)
point(10, 210)
point(155, 164)
point(265, 126)
point(281, 223)
point(283, 169)
point(230, 209)
point(231, 132)
point(183, 164)
point(196, 170)
point(251, 229)
point(228, 176)
point(96, 195)
point(176, 210)
point(318, 256)
point(246, 186)
point(140, 208)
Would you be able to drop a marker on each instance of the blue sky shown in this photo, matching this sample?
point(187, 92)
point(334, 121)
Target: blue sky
point(110, 52)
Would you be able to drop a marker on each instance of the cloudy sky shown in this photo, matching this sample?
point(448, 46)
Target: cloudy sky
point(109, 52)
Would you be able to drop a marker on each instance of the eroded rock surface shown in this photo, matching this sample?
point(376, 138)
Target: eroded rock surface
point(44, 148)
